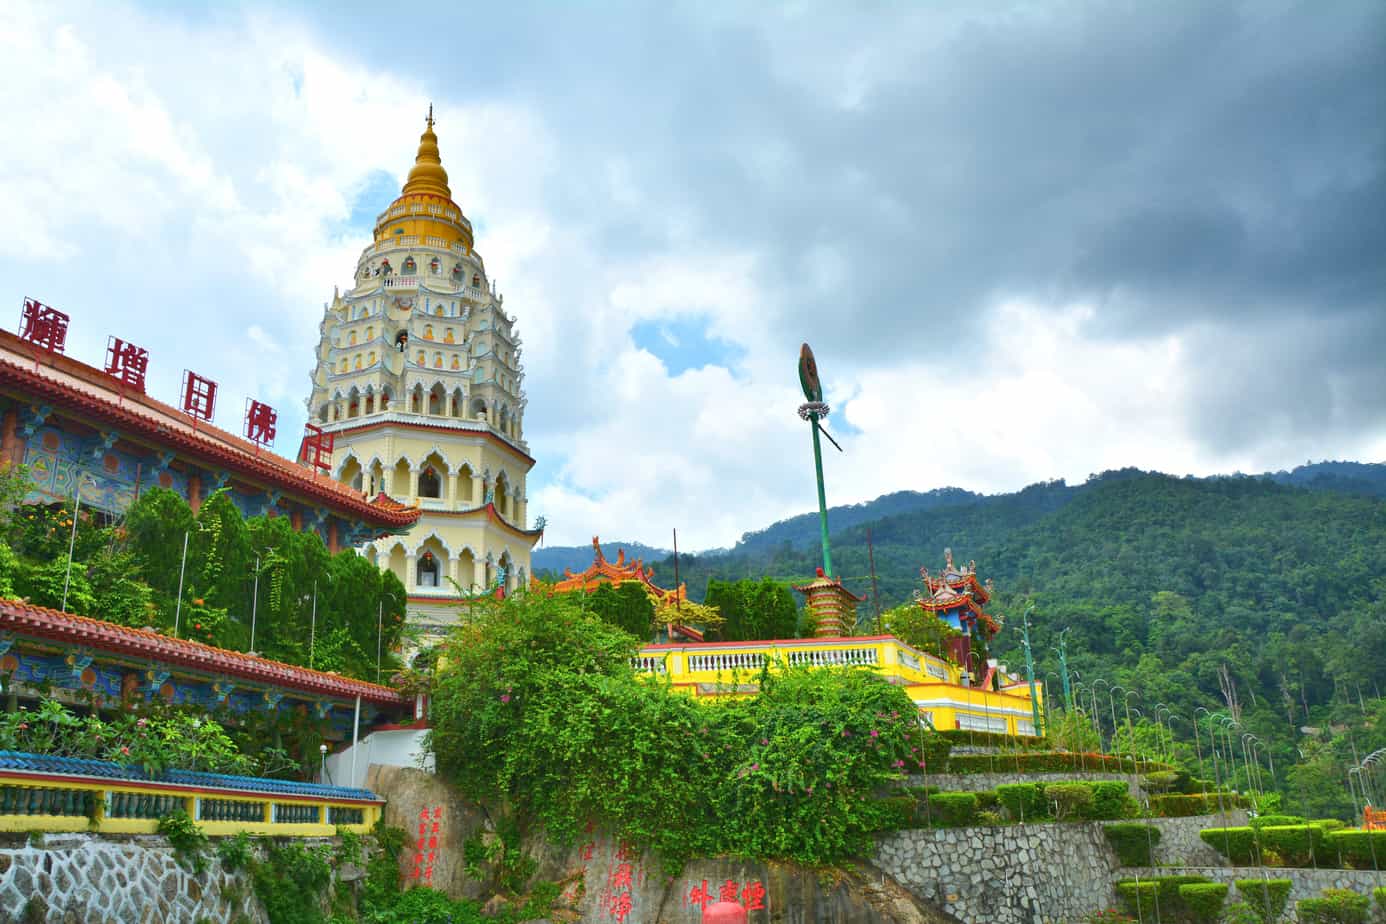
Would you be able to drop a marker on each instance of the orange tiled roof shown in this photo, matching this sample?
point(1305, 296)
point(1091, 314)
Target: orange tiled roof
point(54, 625)
point(89, 392)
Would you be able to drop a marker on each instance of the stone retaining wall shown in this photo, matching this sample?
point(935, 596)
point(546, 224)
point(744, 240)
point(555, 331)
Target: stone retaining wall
point(85, 879)
point(1180, 844)
point(1010, 874)
point(1305, 883)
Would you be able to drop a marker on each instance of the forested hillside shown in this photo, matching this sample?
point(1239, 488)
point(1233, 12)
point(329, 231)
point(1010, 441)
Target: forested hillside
point(1162, 583)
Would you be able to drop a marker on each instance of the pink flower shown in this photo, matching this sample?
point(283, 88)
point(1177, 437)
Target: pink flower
point(23, 726)
point(755, 766)
point(125, 750)
point(764, 740)
point(875, 734)
point(142, 723)
point(899, 763)
point(846, 733)
point(505, 697)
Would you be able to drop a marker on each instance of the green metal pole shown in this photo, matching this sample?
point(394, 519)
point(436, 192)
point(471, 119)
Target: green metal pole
point(822, 499)
point(1063, 667)
point(1030, 674)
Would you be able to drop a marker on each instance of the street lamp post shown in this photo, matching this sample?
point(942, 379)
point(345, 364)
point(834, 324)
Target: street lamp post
point(1029, 671)
point(1062, 651)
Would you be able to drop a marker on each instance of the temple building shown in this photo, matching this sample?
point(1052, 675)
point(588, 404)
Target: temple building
point(621, 571)
point(91, 434)
point(955, 596)
point(418, 379)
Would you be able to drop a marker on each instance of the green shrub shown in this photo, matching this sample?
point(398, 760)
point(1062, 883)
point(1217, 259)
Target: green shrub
point(1275, 821)
point(898, 812)
point(1111, 799)
point(952, 809)
point(1022, 801)
point(1138, 897)
point(1357, 848)
point(987, 799)
point(1380, 895)
point(1047, 762)
point(1185, 805)
point(1240, 913)
point(1294, 845)
point(235, 852)
point(1236, 844)
point(1069, 799)
point(187, 840)
point(1335, 906)
point(1267, 897)
point(1171, 903)
point(1203, 900)
point(1165, 781)
point(990, 819)
point(1133, 842)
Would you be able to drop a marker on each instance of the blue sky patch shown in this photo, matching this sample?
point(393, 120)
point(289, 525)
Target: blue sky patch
point(380, 189)
point(683, 344)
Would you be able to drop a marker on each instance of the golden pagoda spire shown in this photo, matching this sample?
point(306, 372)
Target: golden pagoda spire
point(428, 176)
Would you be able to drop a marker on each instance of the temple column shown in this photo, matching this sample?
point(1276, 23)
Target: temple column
point(455, 568)
point(521, 510)
point(195, 494)
point(478, 490)
point(414, 482)
point(333, 544)
point(452, 489)
point(411, 575)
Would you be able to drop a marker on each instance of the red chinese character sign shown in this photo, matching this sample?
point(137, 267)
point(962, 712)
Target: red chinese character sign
point(127, 363)
point(261, 422)
point(317, 447)
point(426, 844)
point(199, 396)
point(43, 326)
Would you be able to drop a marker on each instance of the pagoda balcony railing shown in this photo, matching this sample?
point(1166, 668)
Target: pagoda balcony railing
point(648, 665)
point(45, 793)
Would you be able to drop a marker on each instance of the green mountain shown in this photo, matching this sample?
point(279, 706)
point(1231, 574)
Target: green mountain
point(1271, 587)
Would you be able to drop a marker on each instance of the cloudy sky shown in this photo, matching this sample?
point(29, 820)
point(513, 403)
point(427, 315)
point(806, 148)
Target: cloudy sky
point(1026, 240)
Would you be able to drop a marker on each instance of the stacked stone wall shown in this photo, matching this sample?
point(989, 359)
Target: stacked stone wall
point(86, 879)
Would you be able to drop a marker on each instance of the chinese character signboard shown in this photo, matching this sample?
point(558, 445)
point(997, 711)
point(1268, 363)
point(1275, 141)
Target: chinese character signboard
point(751, 895)
point(317, 448)
point(43, 326)
point(199, 396)
point(261, 422)
point(127, 363)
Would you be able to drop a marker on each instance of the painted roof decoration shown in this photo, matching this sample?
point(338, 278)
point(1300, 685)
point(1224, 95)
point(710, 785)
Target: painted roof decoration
point(957, 587)
point(67, 383)
point(602, 571)
point(25, 619)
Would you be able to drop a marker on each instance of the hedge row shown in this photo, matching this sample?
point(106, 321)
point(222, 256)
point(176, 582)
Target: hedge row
point(926, 806)
point(1183, 806)
point(1133, 842)
point(1267, 897)
point(1335, 906)
point(1173, 898)
point(1318, 843)
point(989, 739)
point(1046, 762)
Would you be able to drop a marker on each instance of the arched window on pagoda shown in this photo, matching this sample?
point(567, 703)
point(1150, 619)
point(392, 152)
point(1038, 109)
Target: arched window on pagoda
point(385, 267)
point(426, 571)
point(401, 340)
point(428, 332)
point(476, 281)
point(410, 267)
point(434, 266)
point(457, 272)
point(430, 485)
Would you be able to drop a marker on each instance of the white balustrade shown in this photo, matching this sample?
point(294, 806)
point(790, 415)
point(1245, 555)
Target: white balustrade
point(726, 662)
point(648, 665)
point(835, 657)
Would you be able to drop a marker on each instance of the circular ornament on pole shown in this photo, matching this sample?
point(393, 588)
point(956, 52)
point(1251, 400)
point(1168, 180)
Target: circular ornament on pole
point(808, 375)
point(813, 409)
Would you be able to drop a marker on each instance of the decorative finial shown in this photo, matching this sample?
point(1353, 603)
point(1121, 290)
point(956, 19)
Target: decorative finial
point(430, 117)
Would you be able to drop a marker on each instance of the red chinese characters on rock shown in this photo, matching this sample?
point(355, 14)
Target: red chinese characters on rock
point(426, 844)
point(317, 447)
point(261, 422)
point(43, 326)
point(751, 895)
point(199, 396)
point(127, 363)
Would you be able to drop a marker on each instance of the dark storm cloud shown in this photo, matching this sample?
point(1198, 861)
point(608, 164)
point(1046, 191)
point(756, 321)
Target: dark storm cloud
point(1181, 165)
